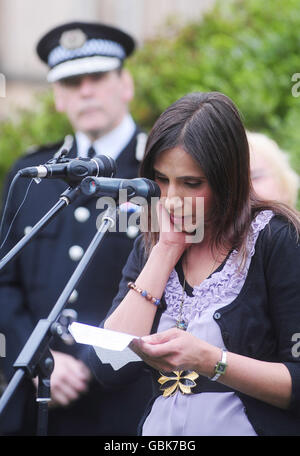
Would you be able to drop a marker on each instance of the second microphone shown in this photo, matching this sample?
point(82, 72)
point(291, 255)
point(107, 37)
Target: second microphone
point(104, 186)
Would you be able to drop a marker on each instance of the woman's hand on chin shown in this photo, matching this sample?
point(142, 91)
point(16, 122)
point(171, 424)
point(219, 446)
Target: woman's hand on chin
point(169, 234)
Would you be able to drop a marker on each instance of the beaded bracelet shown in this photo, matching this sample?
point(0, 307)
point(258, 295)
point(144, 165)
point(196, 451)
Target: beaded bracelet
point(144, 293)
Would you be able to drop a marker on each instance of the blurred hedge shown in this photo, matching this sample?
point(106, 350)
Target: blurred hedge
point(29, 129)
point(247, 49)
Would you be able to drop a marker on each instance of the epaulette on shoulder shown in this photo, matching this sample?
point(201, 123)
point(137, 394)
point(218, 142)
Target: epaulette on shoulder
point(34, 149)
point(141, 140)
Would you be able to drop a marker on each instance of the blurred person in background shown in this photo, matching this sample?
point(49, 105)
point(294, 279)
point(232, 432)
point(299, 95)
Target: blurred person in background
point(93, 88)
point(272, 175)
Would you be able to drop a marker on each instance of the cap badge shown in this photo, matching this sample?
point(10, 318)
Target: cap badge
point(73, 39)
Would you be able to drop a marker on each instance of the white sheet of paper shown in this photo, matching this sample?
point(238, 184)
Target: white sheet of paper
point(115, 358)
point(110, 346)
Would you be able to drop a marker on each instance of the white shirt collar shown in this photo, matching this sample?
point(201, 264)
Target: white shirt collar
point(112, 143)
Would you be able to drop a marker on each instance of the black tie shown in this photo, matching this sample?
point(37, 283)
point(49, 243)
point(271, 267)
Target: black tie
point(91, 152)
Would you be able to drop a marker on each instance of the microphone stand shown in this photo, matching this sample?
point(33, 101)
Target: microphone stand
point(35, 357)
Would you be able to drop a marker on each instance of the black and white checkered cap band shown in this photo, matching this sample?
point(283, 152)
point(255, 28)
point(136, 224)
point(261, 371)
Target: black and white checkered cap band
point(83, 65)
point(91, 47)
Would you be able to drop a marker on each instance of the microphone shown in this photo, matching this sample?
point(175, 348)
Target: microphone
point(103, 186)
point(73, 170)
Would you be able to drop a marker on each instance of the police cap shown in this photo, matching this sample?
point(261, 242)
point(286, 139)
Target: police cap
point(81, 48)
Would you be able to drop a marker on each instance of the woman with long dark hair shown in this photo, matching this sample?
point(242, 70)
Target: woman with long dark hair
point(214, 296)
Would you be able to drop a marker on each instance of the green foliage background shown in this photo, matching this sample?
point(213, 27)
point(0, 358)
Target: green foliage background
point(247, 49)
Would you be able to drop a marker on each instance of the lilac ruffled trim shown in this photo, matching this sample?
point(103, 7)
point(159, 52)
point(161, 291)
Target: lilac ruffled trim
point(222, 287)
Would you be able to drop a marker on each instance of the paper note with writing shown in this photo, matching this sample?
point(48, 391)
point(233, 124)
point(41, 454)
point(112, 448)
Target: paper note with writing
point(111, 346)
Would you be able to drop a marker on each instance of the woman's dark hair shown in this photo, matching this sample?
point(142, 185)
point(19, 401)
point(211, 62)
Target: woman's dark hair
point(208, 126)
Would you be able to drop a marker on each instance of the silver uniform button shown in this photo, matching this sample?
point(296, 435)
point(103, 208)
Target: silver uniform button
point(27, 229)
point(75, 252)
point(82, 214)
point(132, 231)
point(73, 297)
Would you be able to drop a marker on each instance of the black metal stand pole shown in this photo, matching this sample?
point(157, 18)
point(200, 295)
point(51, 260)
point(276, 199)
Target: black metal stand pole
point(46, 366)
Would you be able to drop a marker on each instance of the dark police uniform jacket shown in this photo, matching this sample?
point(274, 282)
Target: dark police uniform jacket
point(32, 283)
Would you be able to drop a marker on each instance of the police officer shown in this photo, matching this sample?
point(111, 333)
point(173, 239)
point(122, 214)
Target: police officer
point(94, 89)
